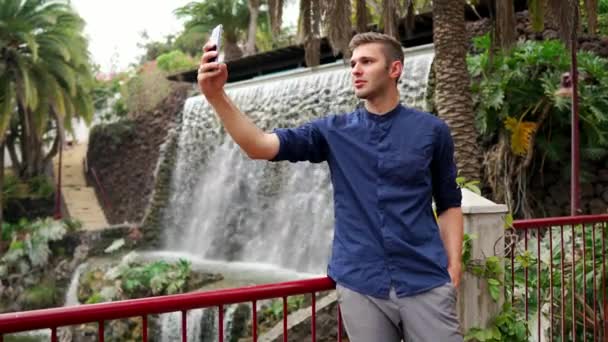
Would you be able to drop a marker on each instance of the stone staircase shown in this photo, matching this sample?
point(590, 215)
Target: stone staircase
point(80, 200)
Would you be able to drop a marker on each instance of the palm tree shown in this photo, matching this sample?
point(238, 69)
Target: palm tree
point(453, 101)
point(45, 78)
point(205, 15)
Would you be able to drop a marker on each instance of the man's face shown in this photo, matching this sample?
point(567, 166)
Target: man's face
point(370, 71)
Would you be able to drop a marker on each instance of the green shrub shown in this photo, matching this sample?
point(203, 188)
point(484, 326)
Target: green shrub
point(40, 296)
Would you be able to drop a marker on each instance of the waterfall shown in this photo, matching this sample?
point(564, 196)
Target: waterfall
point(224, 206)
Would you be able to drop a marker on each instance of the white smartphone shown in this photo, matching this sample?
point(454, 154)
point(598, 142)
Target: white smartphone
point(216, 38)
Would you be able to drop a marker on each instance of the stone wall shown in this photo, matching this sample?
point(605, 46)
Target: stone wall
point(550, 191)
point(125, 155)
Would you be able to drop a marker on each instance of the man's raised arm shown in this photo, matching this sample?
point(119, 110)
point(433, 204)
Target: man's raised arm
point(212, 76)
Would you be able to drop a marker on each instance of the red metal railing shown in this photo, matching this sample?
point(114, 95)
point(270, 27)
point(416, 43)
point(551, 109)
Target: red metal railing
point(561, 264)
point(59, 317)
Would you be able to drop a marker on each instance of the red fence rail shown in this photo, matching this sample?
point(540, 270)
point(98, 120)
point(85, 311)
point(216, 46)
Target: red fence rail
point(59, 317)
point(558, 275)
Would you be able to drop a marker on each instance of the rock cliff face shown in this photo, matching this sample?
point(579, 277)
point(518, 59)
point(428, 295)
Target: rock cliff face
point(124, 156)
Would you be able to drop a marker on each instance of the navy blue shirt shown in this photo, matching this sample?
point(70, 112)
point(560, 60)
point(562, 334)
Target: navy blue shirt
point(385, 170)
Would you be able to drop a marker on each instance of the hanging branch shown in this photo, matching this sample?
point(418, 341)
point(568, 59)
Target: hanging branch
point(389, 17)
point(362, 16)
point(409, 12)
point(275, 11)
point(339, 27)
point(310, 14)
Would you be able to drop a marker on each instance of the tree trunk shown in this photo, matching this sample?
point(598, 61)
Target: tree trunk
point(1, 185)
point(362, 16)
point(389, 17)
point(275, 10)
point(591, 7)
point(10, 144)
point(339, 27)
point(452, 93)
point(505, 35)
point(254, 10)
point(232, 51)
point(552, 13)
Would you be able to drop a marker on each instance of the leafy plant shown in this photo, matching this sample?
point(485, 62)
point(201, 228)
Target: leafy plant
point(508, 325)
point(135, 279)
point(30, 242)
point(521, 116)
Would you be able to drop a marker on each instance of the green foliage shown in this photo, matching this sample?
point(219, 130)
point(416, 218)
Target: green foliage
point(95, 298)
point(520, 87)
point(115, 133)
point(40, 296)
point(107, 99)
point(508, 325)
point(28, 251)
point(469, 185)
point(490, 269)
point(133, 279)
point(37, 187)
point(175, 60)
point(274, 311)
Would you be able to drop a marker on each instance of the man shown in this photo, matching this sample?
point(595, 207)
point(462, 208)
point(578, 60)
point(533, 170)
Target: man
point(396, 272)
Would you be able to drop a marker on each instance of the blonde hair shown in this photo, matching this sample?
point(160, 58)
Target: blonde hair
point(392, 48)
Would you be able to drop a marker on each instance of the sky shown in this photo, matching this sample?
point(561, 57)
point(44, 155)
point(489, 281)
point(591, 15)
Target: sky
point(114, 27)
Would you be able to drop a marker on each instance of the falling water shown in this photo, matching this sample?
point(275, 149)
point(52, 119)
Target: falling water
point(224, 206)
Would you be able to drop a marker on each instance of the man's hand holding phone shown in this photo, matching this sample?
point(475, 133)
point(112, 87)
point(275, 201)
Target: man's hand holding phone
point(212, 74)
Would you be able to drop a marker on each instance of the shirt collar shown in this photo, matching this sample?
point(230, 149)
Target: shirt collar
point(381, 117)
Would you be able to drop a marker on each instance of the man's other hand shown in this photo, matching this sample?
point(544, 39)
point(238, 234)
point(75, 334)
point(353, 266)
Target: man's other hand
point(455, 272)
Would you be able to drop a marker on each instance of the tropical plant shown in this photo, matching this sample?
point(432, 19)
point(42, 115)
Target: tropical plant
point(203, 16)
point(45, 77)
point(519, 114)
point(29, 250)
point(134, 279)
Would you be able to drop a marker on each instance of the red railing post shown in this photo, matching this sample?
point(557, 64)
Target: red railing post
point(184, 326)
point(101, 332)
point(144, 328)
point(313, 318)
point(563, 285)
point(551, 282)
point(284, 319)
point(538, 283)
point(220, 327)
point(573, 284)
point(339, 319)
point(254, 322)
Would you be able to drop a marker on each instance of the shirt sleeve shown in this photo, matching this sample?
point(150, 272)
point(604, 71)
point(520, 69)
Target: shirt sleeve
point(443, 168)
point(304, 143)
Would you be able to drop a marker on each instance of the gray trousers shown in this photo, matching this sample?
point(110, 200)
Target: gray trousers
point(429, 316)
